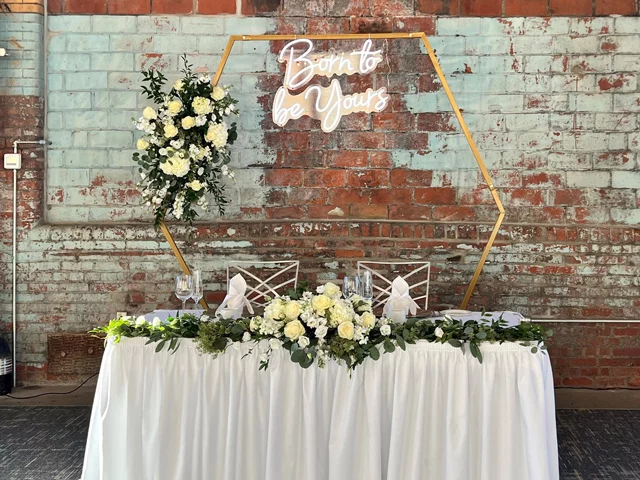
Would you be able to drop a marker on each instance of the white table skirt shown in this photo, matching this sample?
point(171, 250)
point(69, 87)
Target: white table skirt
point(427, 413)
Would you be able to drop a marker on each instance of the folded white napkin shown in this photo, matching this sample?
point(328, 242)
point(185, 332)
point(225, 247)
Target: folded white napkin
point(400, 298)
point(235, 301)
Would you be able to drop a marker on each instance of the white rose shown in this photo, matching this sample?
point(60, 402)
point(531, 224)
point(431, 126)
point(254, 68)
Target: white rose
point(292, 310)
point(368, 319)
point(346, 330)
point(321, 331)
point(246, 337)
point(149, 113)
point(140, 321)
point(294, 330)
point(320, 303)
point(170, 130)
point(332, 290)
point(142, 144)
point(179, 85)
point(156, 322)
point(174, 107)
point(188, 122)
point(439, 332)
point(303, 342)
point(196, 186)
point(217, 134)
point(218, 94)
point(385, 330)
point(275, 344)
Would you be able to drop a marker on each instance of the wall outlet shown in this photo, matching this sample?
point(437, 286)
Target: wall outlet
point(12, 161)
point(121, 314)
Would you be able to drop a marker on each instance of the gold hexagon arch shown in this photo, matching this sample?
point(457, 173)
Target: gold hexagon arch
point(382, 36)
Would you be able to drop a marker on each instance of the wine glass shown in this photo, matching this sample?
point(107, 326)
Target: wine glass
point(350, 285)
point(197, 290)
point(366, 285)
point(184, 288)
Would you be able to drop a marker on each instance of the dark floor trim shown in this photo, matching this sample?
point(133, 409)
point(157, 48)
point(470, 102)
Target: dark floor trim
point(597, 399)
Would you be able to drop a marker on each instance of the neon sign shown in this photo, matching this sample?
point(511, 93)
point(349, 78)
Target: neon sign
point(327, 104)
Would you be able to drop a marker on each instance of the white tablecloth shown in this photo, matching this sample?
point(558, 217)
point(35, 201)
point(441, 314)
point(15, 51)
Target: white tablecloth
point(427, 413)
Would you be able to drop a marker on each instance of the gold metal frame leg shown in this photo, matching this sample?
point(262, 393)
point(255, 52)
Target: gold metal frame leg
point(178, 254)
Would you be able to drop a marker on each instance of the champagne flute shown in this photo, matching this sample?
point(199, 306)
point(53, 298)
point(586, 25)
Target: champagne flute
point(198, 290)
point(366, 285)
point(350, 285)
point(184, 288)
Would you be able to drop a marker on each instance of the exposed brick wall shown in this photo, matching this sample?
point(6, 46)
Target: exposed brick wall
point(481, 8)
point(551, 102)
point(595, 355)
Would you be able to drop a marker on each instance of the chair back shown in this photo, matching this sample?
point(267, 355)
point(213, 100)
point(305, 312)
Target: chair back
point(265, 279)
point(416, 274)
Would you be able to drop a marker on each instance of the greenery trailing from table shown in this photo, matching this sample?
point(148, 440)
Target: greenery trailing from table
point(164, 334)
point(323, 326)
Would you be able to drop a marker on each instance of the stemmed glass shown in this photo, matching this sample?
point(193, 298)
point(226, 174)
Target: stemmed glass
point(350, 285)
point(366, 285)
point(198, 291)
point(184, 288)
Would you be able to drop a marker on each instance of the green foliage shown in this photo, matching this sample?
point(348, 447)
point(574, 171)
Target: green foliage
point(214, 337)
point(164, 334)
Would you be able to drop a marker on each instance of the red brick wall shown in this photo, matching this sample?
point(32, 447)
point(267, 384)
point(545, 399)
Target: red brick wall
point(375, 8)
point(547, 263)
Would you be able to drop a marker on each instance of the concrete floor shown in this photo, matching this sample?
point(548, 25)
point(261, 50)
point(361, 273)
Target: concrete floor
point(47, 443)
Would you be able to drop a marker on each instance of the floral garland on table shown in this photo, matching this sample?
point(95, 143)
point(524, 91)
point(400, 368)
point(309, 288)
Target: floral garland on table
point(322, 326)
point(184, 144)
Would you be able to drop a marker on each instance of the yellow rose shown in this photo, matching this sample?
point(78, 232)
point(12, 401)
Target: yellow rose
point(188, 122)
point(320, 303)
point(142, 144)
point(292, 310)
point(174, 107)
point(368, 319)
point(346, 330)
point(149, 113)
point(178, 85)
point(294, 330)
point(170, 131)
point(218, 94)
point(196, 186)
point(332, 289)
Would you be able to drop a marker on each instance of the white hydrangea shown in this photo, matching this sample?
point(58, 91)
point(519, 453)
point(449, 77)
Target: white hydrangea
point(217, 134)
point(176, 166)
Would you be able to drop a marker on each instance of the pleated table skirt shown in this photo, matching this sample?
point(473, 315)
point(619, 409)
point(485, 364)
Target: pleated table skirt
point(430, 412)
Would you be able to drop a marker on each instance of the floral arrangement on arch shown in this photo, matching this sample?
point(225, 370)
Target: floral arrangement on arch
point(184, 144)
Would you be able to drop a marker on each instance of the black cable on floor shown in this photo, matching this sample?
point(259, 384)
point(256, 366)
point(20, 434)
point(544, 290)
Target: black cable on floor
point(54, 393)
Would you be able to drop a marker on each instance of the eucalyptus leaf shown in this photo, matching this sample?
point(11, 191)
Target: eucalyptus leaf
point(374, 353)
point(389, 347)
point(299, 356)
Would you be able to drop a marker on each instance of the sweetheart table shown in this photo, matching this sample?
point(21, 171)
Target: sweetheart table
point(430, 412)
